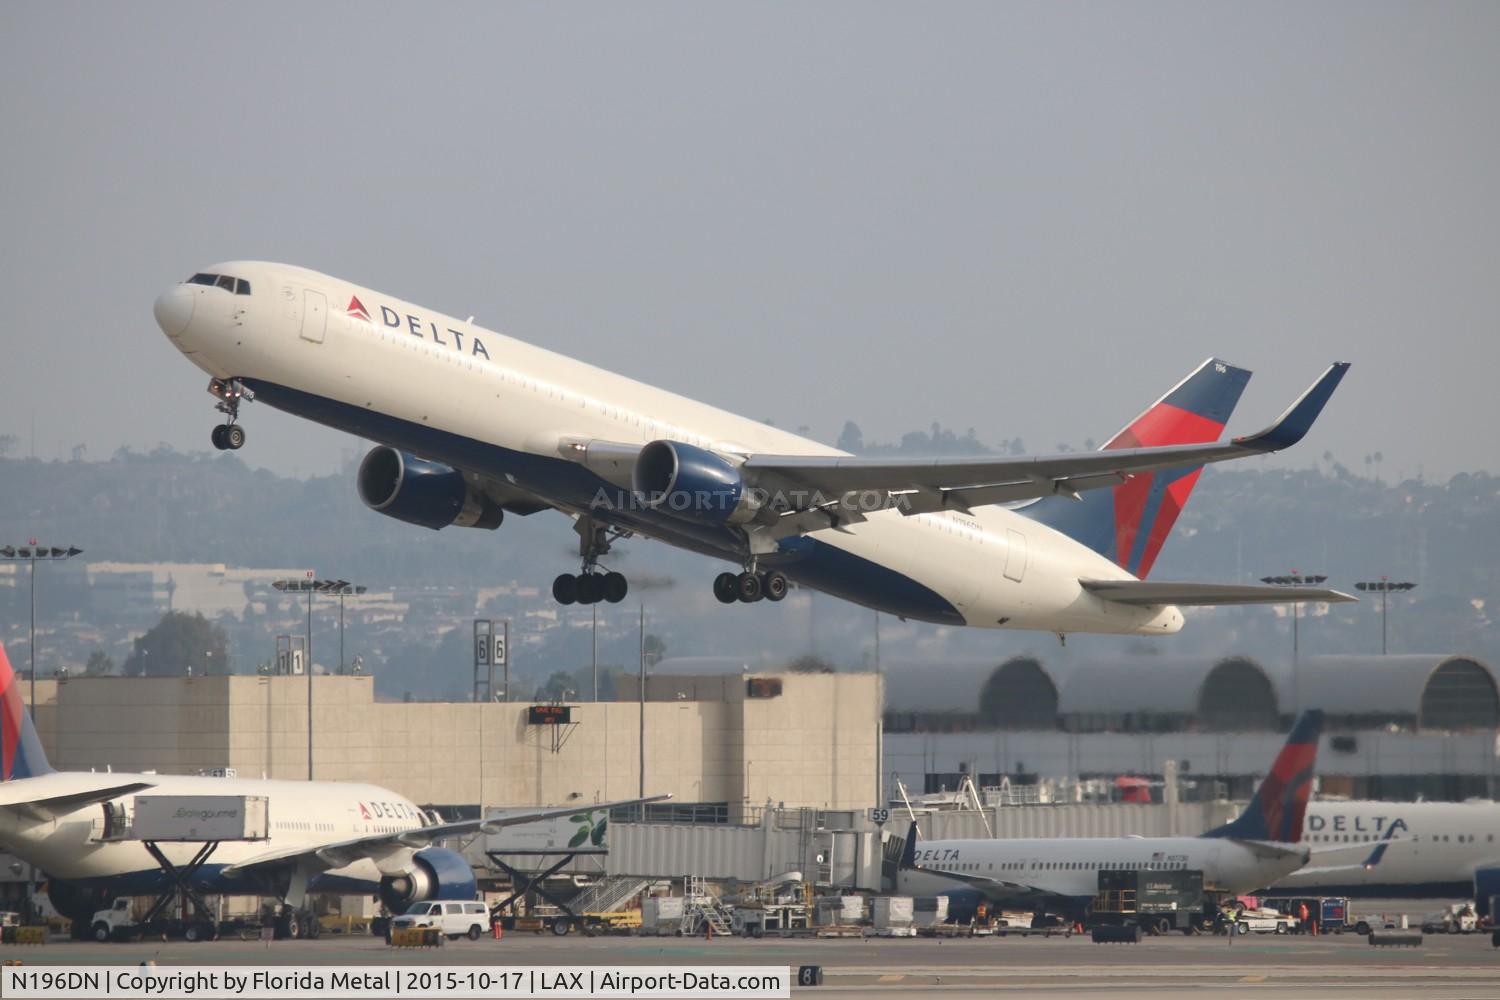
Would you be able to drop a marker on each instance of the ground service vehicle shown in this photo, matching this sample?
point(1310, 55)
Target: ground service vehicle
point(1159, 901)
point(1264, 920)
point(454, 919)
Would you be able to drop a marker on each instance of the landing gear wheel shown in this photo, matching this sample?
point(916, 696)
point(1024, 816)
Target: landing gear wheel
point(615, 587)
point(313, 926)
point(234, 437)
point(726, 588)
point(590, 588)
point(774, 586)
point(217, 437)
point(565, 589)
point(747, 586)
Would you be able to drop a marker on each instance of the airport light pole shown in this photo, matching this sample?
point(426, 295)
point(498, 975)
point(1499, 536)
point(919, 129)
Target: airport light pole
point(1295, 579)
point(310, 586)
point(30, 553)
point(1384, 587)
point(342, 589)
point(641, 793)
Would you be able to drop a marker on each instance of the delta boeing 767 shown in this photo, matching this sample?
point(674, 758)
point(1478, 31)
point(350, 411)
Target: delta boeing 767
point(472, 425)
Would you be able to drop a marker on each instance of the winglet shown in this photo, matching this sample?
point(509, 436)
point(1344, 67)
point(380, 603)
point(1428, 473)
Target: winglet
point(1293, 425)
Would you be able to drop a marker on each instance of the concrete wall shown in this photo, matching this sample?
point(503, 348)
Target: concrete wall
point(815, 745)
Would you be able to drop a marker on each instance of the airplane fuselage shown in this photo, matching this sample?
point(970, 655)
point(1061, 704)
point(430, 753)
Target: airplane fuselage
point(1068, 868)
point(303, 814)
point(1435, 849)
point(378, 367)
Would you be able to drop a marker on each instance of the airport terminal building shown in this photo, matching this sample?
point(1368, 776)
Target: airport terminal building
point(726, 744)
point(720, 745)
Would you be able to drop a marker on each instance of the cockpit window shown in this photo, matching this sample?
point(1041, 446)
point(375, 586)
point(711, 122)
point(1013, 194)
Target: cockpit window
point(230, 284)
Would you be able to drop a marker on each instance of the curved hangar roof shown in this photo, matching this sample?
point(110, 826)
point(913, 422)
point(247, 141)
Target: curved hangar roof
point(1154, 694)
point(1442, 692)
point(1161, 694)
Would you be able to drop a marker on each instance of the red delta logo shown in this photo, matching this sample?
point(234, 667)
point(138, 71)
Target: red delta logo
point(357, 309)
point(363, 812)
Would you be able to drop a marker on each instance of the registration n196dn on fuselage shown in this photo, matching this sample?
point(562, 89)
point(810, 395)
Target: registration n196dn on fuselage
point(473, 425)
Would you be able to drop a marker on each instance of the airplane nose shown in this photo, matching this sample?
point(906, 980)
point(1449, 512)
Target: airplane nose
point(174, 310)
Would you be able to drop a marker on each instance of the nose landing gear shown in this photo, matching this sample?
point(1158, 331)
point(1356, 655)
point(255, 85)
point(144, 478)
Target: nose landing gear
point(229, 436)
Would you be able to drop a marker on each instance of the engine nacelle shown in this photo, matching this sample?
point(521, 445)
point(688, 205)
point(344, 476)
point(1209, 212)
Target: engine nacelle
point(692, 483)
point(78, 901)
point(436, 873)
point(399, 484)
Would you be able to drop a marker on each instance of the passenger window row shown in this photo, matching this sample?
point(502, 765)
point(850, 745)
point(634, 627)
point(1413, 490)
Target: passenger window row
point(232, 285)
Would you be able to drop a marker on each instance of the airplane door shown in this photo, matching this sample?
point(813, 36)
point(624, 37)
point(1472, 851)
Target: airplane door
point(1015, 555)
point(314, 315)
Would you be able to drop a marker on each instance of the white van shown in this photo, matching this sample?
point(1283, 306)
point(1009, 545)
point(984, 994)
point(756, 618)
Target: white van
point(453, 918)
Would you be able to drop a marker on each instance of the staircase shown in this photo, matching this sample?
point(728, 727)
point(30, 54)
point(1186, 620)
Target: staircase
point(701, 907)
point(608, 894)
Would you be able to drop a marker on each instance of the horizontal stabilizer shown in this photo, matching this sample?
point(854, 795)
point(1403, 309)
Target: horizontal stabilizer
point(1206, 594)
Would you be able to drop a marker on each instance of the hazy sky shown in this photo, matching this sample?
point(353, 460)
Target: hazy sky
point(1029, 219)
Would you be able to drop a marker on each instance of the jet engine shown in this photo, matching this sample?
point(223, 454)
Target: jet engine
point(692, 483)
point(399, 484)
point(435, 873)
point(78, 901)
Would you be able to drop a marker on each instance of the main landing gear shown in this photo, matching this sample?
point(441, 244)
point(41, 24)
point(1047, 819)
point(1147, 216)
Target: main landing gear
point(590, 588)
point(593, 584)
point(229, 436)
point(750, 586)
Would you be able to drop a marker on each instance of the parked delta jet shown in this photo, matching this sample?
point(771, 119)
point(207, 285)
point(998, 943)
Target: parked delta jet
point(325, 836)
point(1061, 875)
point(1447, 850)
point(472, 424)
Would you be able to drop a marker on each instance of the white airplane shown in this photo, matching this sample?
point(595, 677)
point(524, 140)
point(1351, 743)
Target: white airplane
point(325, 836)
point(472, 424)
point(1061, 875)
point(1424, 850)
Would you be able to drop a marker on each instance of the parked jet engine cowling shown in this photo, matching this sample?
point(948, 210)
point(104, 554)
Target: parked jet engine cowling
point(436, 873)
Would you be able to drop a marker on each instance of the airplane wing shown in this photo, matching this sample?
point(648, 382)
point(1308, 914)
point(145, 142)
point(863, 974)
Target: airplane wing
point(811, 492)
point(943, 484)
point(998, 888)
point(22, 797)
point(1162, 592)
point(346, 852)
point(1370, 860)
